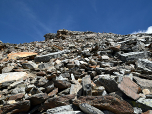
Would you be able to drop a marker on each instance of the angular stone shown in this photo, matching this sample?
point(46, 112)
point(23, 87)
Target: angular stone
point(16, 97)
point(64, 92)
point(29, 65)
point(16, 108)
point(12, 76)
point(56, 102)
point(62, 84)
point(7, 69)
point(130, 88)
point(65, 108)
point(21, 54)
point(109, 82)
point(144, 64)
point(146, 91)
point(132, 56)
point(53, 93)
point(109, 102)
point(37, 98)
point(47, 57)
point(76, 89)
point(144, 83)
point(86, 85)
point(89, 109)
point(97, 91)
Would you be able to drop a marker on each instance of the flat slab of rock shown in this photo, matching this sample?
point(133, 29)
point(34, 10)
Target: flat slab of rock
point(12, 76)
point(144, 83)
point(60, 109)
point(57, 101)
point(144, 64)
point(89, 109)
point(16, 108)
point(111, 103)
point(20, 54)
point(47, 57)
point(132, 56)
point(130, 88)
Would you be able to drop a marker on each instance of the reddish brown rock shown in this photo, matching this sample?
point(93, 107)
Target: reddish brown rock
point(130, 88)
point(16, 97)
point(16, 108)
point(57, 101)
point(110, 102)
point(62, 84)
point(52, 93)
point(41, 73)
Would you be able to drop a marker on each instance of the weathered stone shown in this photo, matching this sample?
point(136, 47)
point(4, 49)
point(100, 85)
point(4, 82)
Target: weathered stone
point(111, 103)
point(97, 91)
point(57, 101)
point(76, 89)
point(144, 83)
point(132, 56)
point(109, 82)
point(35, 90)
point(16, 108)
point(64, 92)
point(89, 109)
point(31, 55)
point(62, 84)
point(86, 85)
point(130, 88)
point(144, 64)
point(12, 76)
point(53, 93)
point(47, 57)
point(7, 69)
point(16, 97)
point(37, 99)
point(29, 65)
point(146, 91)
point(60, 109)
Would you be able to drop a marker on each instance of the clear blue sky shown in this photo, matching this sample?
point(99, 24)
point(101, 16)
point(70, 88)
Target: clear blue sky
point(28, 20)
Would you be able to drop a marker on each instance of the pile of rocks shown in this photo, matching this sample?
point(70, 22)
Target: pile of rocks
point(75, 72)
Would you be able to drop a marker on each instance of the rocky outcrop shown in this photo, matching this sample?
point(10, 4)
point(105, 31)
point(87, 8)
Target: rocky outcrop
point(75, 72)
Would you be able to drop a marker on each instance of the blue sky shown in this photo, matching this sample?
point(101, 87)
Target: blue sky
point(28, 20)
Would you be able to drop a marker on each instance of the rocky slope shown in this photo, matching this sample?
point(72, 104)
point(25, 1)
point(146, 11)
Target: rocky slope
point(74, 72)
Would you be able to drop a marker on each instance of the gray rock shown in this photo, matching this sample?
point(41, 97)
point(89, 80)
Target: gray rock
point(145, 65)
point(29, 65)
point(86, 85)
point(7, 69)
point(143, 83)
point(60, 109)
point(47, 57)
point(89, 109)
point(132, 56)
point(109, 82)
